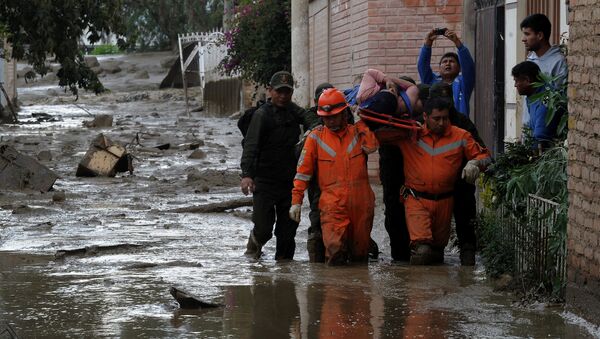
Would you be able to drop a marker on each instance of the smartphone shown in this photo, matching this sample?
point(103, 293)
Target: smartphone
point(440, 31)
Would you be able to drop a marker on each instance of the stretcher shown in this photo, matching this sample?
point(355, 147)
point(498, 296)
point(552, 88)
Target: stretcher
point(392, 128)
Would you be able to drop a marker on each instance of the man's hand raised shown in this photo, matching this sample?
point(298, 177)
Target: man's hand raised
point(451, 35)
point(431, 36)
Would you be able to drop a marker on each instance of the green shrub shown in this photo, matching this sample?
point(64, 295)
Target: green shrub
point(507, 227)
point(105, 49)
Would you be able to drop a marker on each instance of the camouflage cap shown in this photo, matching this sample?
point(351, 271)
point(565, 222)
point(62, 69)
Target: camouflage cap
point(282, 79)
point(440, 89)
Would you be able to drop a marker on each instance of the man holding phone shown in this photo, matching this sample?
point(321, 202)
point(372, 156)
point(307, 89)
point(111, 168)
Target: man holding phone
point(462, 85)
point(456, 69)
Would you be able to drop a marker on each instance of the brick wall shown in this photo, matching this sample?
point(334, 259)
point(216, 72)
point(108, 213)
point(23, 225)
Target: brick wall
point(349, 36)
point(583, 246)
point(397, 30)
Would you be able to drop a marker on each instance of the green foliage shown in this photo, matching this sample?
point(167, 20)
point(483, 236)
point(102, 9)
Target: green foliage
point(105, 49)
point(154, 24)
point(39, 28)
point(259, 43)
point(554, 97)
point(498, 253)
point(516, 174)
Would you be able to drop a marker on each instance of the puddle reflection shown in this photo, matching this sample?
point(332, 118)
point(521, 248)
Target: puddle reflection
point(278, 308)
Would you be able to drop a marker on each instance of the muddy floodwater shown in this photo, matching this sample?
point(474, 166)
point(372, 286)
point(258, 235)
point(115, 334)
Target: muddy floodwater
point(101, 262)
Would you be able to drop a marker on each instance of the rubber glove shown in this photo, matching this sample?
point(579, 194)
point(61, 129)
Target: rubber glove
point(295, 212)
point(471, 171)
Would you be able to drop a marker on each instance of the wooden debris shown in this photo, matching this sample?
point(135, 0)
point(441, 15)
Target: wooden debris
point(215, 207)
point(94, 249)
point(104, 158)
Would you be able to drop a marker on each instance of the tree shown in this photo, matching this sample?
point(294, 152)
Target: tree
point(154, 24)
point(37, 29)
point(259, 43)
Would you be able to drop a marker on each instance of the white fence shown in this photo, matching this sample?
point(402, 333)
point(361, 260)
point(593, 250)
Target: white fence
point(210, 49)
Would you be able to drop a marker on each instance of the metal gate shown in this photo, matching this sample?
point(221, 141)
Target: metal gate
point(489, 74)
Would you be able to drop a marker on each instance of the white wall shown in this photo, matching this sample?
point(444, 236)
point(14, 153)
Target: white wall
point(3, 65)
point(512, 38)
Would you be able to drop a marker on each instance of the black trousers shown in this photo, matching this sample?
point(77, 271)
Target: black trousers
point(272, 202)
point(314, 194)
point(465, 213)
point(391, 174)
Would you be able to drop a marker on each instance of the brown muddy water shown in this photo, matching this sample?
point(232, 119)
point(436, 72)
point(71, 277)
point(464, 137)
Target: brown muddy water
point(137, 249)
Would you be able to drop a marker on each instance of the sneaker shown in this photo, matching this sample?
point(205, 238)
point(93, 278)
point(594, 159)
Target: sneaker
point(421, 255)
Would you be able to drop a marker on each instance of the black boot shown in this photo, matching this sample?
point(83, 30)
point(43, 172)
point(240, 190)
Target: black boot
point(373, 250)
point(253, 247)
point(467, 255)
point(315, 247)
point(421, 255)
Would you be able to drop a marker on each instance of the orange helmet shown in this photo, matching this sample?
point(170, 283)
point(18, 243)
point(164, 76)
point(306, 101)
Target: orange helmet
point(331, 102)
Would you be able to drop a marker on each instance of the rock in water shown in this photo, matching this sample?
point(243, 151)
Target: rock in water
point(189, 302)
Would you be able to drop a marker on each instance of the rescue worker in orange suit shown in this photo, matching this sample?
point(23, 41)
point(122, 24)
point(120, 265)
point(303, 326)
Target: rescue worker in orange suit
point(338, 153)
point(465, 212)
point(432, 166)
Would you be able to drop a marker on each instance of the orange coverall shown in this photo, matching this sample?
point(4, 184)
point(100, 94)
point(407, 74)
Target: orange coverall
point(347, 202)
point(431, 165)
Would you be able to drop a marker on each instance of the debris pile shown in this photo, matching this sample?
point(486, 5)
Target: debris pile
point(104, 158)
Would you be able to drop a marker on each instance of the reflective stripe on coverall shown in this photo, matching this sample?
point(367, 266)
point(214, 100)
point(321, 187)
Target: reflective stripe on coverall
point(432, 165)
point(347, 201)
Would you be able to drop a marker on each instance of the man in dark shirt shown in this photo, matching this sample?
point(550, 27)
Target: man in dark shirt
point(269, 165)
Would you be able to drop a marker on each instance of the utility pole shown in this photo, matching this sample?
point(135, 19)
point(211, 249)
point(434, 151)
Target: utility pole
point(300, 60)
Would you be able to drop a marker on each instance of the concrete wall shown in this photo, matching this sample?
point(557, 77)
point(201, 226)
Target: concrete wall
point(514, 52)
point(8, 75)
point(583, 245)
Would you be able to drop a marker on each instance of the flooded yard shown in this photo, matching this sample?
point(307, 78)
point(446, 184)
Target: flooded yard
point(101, 262)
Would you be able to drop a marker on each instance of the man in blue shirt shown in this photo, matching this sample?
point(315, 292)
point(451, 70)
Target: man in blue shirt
point(457, 70)
point(525, 74)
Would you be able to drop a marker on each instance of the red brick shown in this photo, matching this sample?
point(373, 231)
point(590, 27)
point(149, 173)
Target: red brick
point(445, 10)
point(412, 3)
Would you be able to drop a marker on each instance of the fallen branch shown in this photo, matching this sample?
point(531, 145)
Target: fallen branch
point(215, 207)
point(95, 249)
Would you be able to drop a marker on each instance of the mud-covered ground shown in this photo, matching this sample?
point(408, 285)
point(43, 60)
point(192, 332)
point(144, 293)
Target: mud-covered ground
point(133, 247)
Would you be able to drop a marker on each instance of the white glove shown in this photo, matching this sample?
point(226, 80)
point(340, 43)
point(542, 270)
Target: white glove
point(368, 150)
point(471, 171)
point(295, 212)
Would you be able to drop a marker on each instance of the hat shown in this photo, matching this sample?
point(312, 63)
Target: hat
point(282, 79)
point(440, 89)
point(321, 88)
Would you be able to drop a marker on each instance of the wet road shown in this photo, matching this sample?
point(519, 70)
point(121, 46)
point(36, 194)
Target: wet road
point(124, 291)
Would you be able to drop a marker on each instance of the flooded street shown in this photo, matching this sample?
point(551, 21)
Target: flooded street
point(100, 263)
